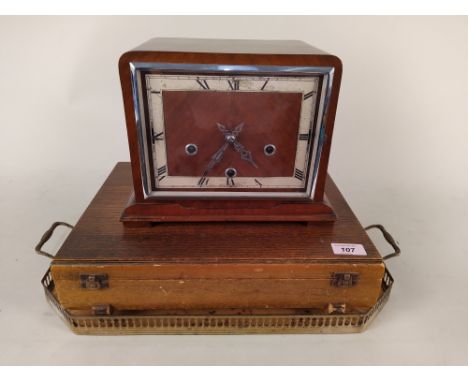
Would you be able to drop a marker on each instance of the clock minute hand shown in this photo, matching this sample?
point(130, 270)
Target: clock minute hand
point(223, 129)
point(216, 158)
point(244, 153)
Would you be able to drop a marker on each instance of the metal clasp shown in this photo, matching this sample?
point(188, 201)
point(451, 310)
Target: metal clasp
point(90, 281)
point(344, 279)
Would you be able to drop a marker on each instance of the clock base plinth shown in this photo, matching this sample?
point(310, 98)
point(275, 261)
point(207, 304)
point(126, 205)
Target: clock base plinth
point(145, 214)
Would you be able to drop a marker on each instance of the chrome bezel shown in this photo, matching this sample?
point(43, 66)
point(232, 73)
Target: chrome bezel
point(315, 148)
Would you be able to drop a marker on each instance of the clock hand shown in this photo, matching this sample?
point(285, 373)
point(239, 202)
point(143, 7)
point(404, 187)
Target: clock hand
point(228, 134)
point(223, 129)
point(231, 137)
point(244, 153)
point(238, 129)
point(216, 158)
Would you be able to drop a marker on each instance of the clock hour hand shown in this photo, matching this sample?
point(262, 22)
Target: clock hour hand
point(238, 129)
point(244, 153)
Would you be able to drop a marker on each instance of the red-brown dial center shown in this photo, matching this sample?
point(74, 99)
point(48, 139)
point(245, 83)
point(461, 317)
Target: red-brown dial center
point(269, 118)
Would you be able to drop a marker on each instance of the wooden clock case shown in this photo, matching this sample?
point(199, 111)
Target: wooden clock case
point(141, 210)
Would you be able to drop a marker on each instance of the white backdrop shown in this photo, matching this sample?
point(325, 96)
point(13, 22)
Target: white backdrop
point(399, 154)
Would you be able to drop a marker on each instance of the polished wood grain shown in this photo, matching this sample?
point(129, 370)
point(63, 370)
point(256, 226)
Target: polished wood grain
point(268, 118)
point(229, 52)
point(98, 235)
point(233, 46)
point(212, 265)
point(217, 287)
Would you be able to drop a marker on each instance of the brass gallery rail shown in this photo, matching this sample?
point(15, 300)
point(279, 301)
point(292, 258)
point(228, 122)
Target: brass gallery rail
point(218, 324)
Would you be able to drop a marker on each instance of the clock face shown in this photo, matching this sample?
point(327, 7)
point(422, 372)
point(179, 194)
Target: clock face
point(229, 135)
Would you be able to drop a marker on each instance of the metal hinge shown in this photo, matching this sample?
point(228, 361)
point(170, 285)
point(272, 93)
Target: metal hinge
point(90, 281)
point(102, 310)
point(336, 308)
point(344, 279)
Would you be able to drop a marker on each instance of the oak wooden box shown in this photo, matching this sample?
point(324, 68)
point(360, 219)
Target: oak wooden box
point(104, 267)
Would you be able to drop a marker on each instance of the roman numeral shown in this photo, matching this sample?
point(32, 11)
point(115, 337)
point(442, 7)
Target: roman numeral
point(203, 84)
point(256, 181)
point(309, 94)
point(203, 181)
point(265, 84)
point(234, 84)
point(162, 170)
point(299, 174)
point(157, 137)
point(230, 181)
point(304, 137)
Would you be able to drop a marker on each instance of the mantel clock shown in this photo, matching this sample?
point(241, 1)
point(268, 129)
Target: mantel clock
point(228, 130)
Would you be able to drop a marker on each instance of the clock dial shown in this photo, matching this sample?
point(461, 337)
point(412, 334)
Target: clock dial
point(225, 133)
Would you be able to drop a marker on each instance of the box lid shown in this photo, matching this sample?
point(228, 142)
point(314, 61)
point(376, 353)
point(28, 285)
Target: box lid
point(99, 236)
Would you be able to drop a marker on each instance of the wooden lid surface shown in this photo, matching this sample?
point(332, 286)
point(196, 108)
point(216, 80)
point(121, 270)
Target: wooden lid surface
point(99, 236)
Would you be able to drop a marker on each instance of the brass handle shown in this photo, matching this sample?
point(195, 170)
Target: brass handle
point(389, 238)
point(47, 235)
